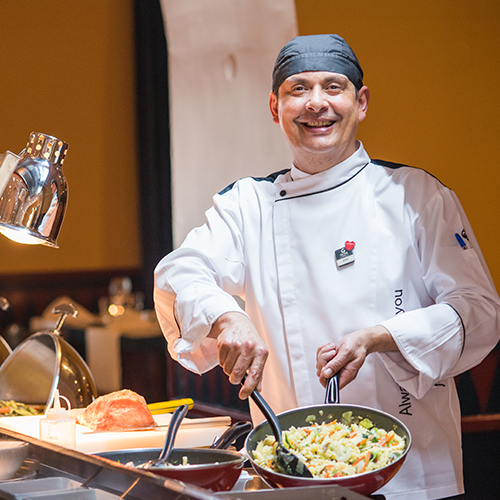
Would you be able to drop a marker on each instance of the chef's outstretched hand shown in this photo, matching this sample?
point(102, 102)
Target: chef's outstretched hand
point(348, 356)
point(241, 350)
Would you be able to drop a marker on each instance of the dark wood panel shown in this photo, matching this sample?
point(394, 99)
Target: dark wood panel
point(30, 294)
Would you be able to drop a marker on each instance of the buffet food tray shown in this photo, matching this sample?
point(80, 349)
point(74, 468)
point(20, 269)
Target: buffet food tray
point(49, 488)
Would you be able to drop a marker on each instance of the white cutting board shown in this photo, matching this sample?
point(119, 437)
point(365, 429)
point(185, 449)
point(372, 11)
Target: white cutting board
point(192, 433)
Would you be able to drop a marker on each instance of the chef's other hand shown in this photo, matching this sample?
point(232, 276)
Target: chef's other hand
point(348, 356)
point(241, 350)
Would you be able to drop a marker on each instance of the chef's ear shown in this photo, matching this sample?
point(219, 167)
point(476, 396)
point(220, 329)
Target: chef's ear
point(273, 106)
point(363, 99)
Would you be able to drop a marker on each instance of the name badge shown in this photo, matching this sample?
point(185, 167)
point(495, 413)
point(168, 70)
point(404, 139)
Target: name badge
point(345, 256)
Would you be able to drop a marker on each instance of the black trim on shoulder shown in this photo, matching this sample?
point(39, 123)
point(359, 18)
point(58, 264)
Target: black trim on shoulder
point(270, 178)
point(390, 164)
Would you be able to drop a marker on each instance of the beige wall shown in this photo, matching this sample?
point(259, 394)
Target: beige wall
point(67, 69)
point(433, 68)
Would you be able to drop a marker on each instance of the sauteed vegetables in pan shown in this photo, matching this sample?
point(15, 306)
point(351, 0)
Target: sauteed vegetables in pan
point(14, 409)
point(336, 449)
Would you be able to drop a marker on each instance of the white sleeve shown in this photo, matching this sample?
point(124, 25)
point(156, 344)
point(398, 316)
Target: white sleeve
point(455, 334)
point(195, 284)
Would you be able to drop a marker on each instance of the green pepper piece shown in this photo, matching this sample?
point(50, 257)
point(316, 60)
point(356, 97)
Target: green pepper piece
point(366, 423)
point(346, 417)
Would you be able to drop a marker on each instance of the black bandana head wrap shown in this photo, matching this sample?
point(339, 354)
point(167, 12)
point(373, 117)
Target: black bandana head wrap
point(317, 53)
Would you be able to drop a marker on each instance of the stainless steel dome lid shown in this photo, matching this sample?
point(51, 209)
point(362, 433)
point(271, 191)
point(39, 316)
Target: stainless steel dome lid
point(43, 363)
point(5, 350)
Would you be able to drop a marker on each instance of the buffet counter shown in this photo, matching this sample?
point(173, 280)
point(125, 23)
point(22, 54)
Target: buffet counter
point(194, 432)
point(90, 476)
point(54, 472)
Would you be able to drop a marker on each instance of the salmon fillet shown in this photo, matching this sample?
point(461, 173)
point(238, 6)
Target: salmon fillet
point(117, 411)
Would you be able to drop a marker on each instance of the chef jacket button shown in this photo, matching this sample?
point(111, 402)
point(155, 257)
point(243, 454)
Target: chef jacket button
point(283, 193)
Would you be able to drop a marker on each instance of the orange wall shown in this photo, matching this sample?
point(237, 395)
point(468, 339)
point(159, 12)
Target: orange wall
point(67, 69)
point(433, 68)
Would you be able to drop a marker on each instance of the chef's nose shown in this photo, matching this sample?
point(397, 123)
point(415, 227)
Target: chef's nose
point(317, 99)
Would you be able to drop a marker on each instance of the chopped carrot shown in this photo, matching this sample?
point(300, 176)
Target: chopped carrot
point(335, 473)
point(367, 459)
point(384, 440)
point(5, 409)
point(361, 457)
point(352, 434)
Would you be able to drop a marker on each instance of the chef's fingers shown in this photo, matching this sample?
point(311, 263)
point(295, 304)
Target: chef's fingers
point(324, 354)
point(347, 372)
point(240, 349)
point(254, 375)
point(351, 354)
point(227, 359)
point(231, 330)
point(353, 349)
point(250, 357)
point(238, 355)
point(325, 347)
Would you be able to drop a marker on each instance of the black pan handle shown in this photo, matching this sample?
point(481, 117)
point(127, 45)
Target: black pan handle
point(232, 434)
point(332, 390)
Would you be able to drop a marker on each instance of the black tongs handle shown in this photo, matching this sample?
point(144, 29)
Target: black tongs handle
point(173, 427)
point(231, 434)
point(332, 390)
point(267, 412)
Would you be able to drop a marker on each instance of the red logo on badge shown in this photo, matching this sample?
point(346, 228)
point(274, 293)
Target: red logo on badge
point(349, 245)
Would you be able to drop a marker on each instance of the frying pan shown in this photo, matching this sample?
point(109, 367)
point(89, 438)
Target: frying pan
point(213, 468)
point(365, 483)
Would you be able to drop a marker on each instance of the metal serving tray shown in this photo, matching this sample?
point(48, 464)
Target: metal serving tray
point(53, 488)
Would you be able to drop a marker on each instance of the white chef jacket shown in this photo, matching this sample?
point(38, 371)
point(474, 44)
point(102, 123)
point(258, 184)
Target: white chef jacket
point(272, 241)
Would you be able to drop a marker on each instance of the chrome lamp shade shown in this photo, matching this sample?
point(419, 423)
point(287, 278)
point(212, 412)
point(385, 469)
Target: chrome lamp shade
point(34, 191)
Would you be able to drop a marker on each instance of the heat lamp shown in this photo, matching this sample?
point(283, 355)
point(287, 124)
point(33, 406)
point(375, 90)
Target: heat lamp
point(34, 191)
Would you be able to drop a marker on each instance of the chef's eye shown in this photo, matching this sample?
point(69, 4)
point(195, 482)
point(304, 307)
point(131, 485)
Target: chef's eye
point(334, 87)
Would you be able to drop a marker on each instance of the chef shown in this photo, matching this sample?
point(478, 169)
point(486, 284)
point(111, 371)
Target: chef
point(346, 264)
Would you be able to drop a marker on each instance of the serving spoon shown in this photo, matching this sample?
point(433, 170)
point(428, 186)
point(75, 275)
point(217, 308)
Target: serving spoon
point(287, 462)
point(173, 427)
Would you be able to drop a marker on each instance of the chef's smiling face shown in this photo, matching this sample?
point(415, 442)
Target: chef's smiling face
point(319, 113)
